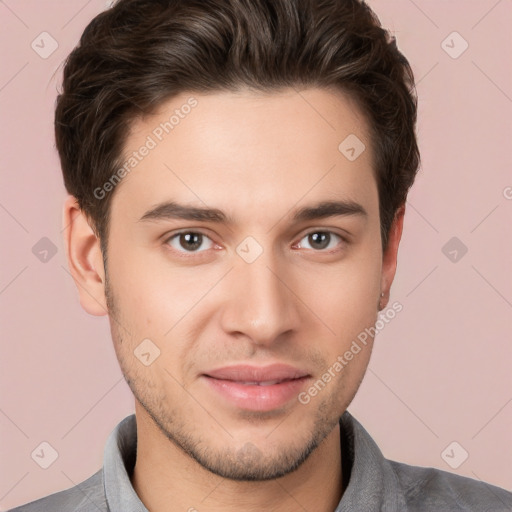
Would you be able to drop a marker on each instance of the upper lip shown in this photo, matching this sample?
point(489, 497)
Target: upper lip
point(248, 373)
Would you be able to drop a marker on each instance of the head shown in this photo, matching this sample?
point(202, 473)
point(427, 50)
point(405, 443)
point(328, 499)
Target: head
point(237, 173)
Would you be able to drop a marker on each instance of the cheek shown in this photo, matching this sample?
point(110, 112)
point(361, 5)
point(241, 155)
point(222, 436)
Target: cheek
point(135, 291)
point(157, 300)
point(346, 298)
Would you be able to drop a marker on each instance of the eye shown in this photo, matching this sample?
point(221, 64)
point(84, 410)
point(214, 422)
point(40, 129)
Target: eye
point(189, 241)
point(321, 240)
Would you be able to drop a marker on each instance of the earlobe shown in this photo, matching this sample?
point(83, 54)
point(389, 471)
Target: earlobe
point(84, 257)
point(389, 257)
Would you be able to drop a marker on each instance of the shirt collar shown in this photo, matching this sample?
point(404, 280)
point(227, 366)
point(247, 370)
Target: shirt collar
point(118, 463)
point(372, 485)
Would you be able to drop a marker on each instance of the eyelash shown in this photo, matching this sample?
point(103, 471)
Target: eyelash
point(188, 254)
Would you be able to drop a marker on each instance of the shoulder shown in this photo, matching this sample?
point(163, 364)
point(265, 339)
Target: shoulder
point(427, 489)
point(87, 496)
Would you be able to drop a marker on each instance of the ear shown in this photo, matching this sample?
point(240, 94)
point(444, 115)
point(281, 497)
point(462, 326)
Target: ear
point(84, 257)
point(389, 256)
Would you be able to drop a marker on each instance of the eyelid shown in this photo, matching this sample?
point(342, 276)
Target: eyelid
point(168, 237)
point(344, 239)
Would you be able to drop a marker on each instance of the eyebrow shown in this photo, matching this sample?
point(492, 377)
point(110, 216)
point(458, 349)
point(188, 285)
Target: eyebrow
point(173, 210)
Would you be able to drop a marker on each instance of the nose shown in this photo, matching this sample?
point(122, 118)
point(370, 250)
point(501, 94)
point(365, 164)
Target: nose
point(260, 303)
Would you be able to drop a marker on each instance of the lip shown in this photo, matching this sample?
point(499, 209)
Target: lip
point(248, 373)
point(257, 388)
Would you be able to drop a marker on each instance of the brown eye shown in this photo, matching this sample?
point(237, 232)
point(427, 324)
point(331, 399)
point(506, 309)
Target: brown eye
point(321, 240)
point(188, 241)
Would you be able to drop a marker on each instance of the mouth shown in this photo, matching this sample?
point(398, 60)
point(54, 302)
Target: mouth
point(257, 388)
point(262, 383)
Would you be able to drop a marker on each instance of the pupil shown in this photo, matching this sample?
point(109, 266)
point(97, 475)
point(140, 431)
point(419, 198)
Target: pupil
point(320, 239)
point(192, 240)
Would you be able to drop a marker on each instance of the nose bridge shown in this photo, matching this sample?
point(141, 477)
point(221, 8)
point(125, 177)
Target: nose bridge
point(259, 304)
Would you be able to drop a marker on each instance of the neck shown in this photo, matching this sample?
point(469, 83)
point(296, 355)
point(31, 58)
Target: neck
point(166, 479)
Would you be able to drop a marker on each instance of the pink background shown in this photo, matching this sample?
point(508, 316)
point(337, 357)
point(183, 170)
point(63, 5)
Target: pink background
point(440, 371)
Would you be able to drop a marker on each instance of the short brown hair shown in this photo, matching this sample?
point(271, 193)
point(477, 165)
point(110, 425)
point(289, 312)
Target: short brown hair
point(139, 53)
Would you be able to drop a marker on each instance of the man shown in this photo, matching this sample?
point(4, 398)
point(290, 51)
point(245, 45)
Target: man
point(237, 172)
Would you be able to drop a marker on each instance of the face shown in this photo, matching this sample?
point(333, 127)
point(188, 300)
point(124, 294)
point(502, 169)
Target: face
point(244, 259)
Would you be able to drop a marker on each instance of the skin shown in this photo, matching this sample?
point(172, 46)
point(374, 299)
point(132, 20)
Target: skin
point(257, 157)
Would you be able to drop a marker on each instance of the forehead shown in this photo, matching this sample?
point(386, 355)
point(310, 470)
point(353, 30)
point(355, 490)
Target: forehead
point(248, 151)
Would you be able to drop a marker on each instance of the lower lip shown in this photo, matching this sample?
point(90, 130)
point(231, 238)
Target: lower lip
point(257, 398)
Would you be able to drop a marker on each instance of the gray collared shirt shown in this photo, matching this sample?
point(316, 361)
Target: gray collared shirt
point(375, 483)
